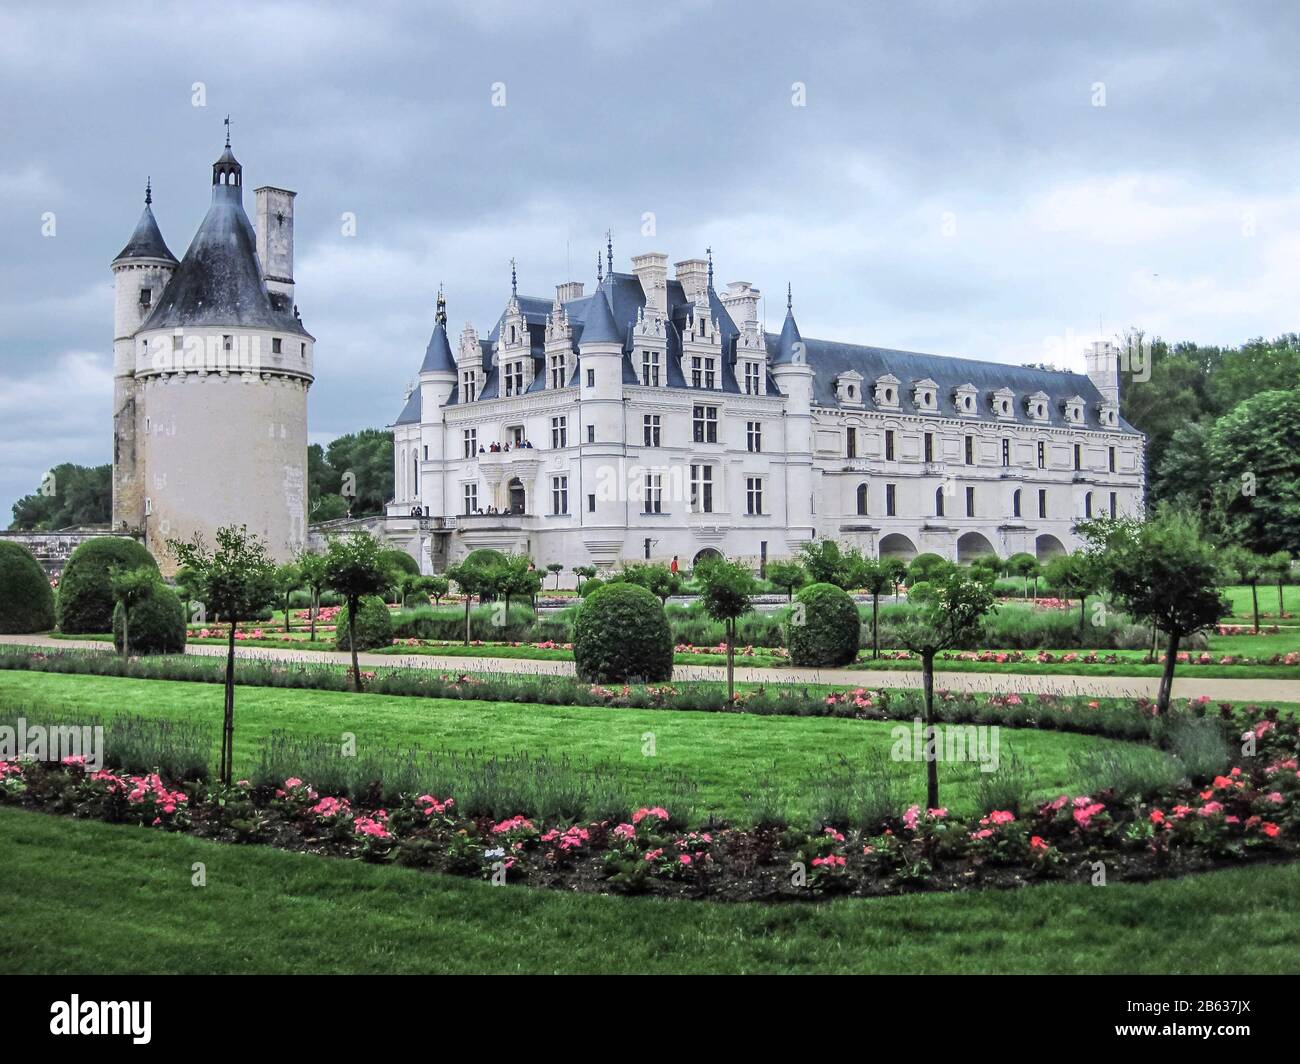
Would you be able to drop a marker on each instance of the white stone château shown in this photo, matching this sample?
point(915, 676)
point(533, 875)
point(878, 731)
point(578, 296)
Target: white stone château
point(211, 368)
point(656, 418)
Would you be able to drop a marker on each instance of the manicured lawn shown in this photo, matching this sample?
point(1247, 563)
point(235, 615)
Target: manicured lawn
point(1242, 609)
point(86, 897)
point(723, 756)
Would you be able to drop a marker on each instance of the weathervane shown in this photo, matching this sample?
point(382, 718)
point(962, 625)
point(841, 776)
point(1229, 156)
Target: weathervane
point(514, 283)
point(227, 131)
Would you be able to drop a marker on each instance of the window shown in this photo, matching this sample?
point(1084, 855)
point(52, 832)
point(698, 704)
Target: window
point(591, 378)
point(650, 430)
point(303, 352)
point(1114, 504)
point(517, 434)
point(471, 498)
point(970, 450)
point(1015, 503)
point(227, 342)
point(929, 446)
point(559, 495)
point(1042, 455)
point(1006, 452)
point(471, 442)
point(754, 436)
point(862, 500)
point(1110, 459)
point(891, 500)
point(1042, 502)
point(1078, 457)
point(146, 297)
point(702, 489)
point(559, 432)
point(470, 387)
point(426, 452)
point(889, 445)
point(752, 378)
point(753, 495)
point(559, 371)
point(275, 345)
point(514, 373)
point(851, 442)
point(938, 502)
point(970, 501)
point(654, 493)
point(148, 506)
point(1087, 504)
point(703, 372)
point(650, 368)
point(706, 424)
point(591, 433)
point(591, 504)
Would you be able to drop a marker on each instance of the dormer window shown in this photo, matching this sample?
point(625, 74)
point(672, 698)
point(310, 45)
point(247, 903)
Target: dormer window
point(848, 387)
point(1036, 406)
point(925, 394)
point(1108, 415)
point(887, 391)
point(1003, 402)
point(1073, 408)
point(964, 399)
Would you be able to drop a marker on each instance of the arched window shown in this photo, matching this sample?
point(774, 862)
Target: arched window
point(862, 499)
point(1015, 503)
point(938, 502)
point(1087, 505)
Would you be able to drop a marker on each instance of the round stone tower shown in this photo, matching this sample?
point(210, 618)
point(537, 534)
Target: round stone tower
point(220, 369)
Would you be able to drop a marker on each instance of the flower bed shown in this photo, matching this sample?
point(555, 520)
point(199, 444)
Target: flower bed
point(1250, 811)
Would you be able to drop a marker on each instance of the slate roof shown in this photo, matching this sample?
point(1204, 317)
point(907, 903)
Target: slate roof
point(410, 414)
point(437, 356)
point(147, 240)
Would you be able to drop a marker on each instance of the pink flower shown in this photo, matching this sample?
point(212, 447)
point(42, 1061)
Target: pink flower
point(657, 811)
point(625, 831)
point(685, 859)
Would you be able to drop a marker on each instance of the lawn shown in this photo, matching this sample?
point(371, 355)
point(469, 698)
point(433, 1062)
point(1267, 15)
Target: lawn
point(717, 758)
point(1239, 596)
point(88, 897)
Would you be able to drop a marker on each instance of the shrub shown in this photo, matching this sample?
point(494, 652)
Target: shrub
point(484, 558)
point(621, 634)
point(157, 623)
point(374, 626)
point(85, 601)
point(590, 585)
point(829, 632)
point(399, 560)
point(26, 601)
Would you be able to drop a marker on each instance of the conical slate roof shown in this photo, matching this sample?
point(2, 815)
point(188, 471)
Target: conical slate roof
point(785, 345)
point(599, 326)
point(147, 240)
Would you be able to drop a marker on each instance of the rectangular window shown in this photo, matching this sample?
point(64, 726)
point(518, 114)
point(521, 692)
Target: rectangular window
point(891, 500)
point(754, 436)
point(275, 345)
point(591, 504)
point(706, 424)
point(469, 387)
point(1110, 459)
point(970, 501)
point(1078, 457)
point(1042, 502)
point(515, 378)
point(1087, 505)
point(702, 489)
point(851, 442)
point(654, 493)
point(650, 368)
point(970, 450)
point(559, 495)
point(517, 434)
point(146, 296)
point(559, 432)
point(753, 495)
point(889, 445)
point(591, 378)
point(559, 371)
point(1006, 452)
point(591, 433)
point(426, 452)
point(929, 446)
point(650, 430)
point(471, 442)
point(753, 379)
point(1042, 455)
point(1114, 504)
point(471, 498)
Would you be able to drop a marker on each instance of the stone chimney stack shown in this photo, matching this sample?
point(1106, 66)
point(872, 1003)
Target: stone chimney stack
point(651, 270)
point(570, 290)
point(275, 238)
point(694, 277)
point(741, 300)
point(1103, 369)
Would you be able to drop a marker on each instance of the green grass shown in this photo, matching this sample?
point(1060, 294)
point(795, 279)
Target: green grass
point(87, 897)
point(1239, 596)
point(723, 755)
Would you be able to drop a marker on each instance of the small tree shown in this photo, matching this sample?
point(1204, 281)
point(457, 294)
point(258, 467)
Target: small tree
point(557, 569)
point(824, 562)
point(1026, 567)
point(313, 572)
point(130, 587)
point(355, 568)
point(787, 576)
point(926, 567)
point(659, 580)
point(288, 579)
point(1247, 567)
point(726, 593)
point(950, 616)
point(470, 578)
point(236, 581)
point(877, 579)
point(895, 569)
point(1165, 574)
point(1075, 574)
point(583, 572)
point(437, 586)
point(1278, 568)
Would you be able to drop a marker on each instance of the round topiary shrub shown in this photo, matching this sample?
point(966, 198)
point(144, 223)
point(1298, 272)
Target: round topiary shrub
point(485, 558)
point(374, 626)
point(85, 600)
point(589, 585)
point(157, 624)
point(828, 634)
point(26, 599)
point(622, 635)
point(399, 560)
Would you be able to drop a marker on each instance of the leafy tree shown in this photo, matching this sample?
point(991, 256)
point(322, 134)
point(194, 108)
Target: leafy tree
point(1025, 566)
point(1245, 566)
point(896, 569)
point(877, 579)
point(989, 565)
point(354, 473)
point(435, 586)
point(555, 568)
point(70, 495)
point(288, 579)
point(824, 561)
point(513, 575)
point(354, 567)
point(26, 599)
point(313, 572)
point(787, 576)
point(659, 580)
point(726, 593)
point(130, 587)
point(1278, 569)
point(472, 580)
point(950, 616)
point(237, 581)
point(583, 572)
point(926, 567)
point(1164, 573)
point(1075, 574)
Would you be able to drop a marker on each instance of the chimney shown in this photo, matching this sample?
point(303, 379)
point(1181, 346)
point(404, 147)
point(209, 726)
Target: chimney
point(568, 291)
point(651, 270)
point(275, 238)
point(694, 277)
point(1102, 358)
point(741, 300)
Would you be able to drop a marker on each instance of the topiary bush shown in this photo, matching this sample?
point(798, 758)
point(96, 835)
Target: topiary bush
point(621, 634)
point(399, 560)
point(374, 626)
point(85, 600)
point(829, 632)
point(485, 558)
point(157, 624)
point(26, 599)
point(591, 585)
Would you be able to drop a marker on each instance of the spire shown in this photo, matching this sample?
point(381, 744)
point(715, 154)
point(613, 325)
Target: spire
point(789, 299)
point(437, 356)
point(599, 276)
point(226, 170)
point(148, 191)
point(147, 241)
point(227, 131)
point(441, 317)
point(514, 281)
point(609, 251)
point(599, 326)
point(789, 345)
point(709, 253)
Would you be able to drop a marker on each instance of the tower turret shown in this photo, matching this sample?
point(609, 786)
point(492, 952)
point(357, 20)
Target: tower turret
point(794, 377)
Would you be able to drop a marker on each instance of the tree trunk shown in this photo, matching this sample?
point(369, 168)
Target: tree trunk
point(1280, 609)
point(1167, 678)
point(731, 659)
point(931, 761)
point(1254, 597)
point(875, 624)
point(1083, 617)
point(352, 642)
point(468, 603)
point(286, 614)
point(1155, 646)
point(228, 722)
point(126, 633)
point(315, 607)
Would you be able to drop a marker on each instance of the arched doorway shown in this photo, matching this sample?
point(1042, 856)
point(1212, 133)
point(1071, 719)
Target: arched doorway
point(518, 497)
point(896, 545)
point(971, 546)
point(1047, 547)
point(708, 554)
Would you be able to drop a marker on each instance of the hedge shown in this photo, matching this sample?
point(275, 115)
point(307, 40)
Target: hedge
point(85, 600)
point(26, 599)
point(374, 626)
point(157, 624)
point(823, 627)
point(621, 635)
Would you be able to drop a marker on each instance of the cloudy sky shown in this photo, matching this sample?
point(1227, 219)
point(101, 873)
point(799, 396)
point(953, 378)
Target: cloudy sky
point(995, 180)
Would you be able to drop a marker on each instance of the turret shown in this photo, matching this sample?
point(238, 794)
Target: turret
point(1102, 358)
point(794, 377)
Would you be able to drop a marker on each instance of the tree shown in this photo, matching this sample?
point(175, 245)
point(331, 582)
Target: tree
point(1240, 564)
point(235, 580)
point(787, 576)
point(659, 580)
point(726, 593)
point(989, 564)
point(1164, 573)
point(556, 568)
point(1278, 568)
point(288, 579)
point(877, 579)
point(353, 474)
point(926, 567)
point(824, 562)
point(313, 571)
point(69, 495)
point(896, 569)
point(130, 587)
point(583, 572)
point(951, 615)
point(1075, 574)
point(437, 586)
point(354, 567)
point(1025, 566)
point(513, 575)
point(470, 578)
